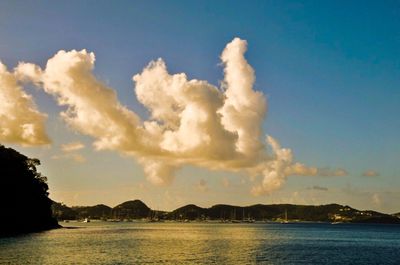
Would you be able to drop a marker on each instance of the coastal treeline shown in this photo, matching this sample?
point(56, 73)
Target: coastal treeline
point(24, 195)
point(136, 209)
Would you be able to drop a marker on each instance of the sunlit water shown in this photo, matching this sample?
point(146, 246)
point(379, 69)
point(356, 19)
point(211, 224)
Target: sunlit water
point(205, 243)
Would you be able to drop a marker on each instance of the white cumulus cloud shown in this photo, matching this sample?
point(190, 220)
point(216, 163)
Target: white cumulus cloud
point(20, 120)
point(192, 122)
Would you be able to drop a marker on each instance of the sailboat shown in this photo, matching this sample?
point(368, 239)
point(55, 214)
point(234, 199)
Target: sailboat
point(153, 216)
point(248, 219)
point(286, 220)
point(234, 219)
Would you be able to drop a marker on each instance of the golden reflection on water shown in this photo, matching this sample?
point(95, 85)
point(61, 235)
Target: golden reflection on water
point(203, 243)
point(136, 243)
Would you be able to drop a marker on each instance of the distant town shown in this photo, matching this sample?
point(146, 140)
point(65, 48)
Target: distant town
point(284, 213)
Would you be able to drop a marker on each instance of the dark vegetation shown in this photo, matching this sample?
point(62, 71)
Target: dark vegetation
point(396, 214)
point(136, 209)
point(99, 211)
point(24, 195)
point(131, 210)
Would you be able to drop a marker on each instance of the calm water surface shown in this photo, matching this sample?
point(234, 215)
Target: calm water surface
point(206, 243)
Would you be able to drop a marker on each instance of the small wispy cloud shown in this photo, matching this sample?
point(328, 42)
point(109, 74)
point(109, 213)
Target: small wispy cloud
point(225, 182)
point(202, 185)
point(303, 170)
point(318, 188)
point(69, 152)
point(73, 146)
point(376, 199)
point(78, 158)
point(370, 173)
point(327, 172)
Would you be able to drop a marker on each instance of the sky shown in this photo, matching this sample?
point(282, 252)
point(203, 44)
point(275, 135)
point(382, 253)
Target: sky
point(205, 102)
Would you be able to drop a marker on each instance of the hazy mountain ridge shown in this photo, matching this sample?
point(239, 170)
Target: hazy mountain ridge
point(96, 212)
point(136, 209)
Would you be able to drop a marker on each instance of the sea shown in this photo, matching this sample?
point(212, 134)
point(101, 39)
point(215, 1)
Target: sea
point(205, 243)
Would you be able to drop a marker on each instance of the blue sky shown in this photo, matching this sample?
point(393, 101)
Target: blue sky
point(330, 71)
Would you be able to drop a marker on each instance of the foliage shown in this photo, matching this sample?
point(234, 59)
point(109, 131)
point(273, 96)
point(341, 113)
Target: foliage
point(99, 211)
point(136, 209)
point(24, 194)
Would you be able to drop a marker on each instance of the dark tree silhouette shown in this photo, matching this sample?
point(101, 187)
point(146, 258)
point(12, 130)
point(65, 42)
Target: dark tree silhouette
point(26, 206)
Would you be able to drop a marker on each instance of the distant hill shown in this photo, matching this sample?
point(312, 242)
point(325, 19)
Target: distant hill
point(320, 213)
point(24, 195)
point(397, 215)
point(63, 212)
point(265, 212)
point(136, 209)
point(190, 212)
point(96, 212)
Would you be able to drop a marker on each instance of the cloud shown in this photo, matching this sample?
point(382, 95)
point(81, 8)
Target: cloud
point(274, 170)
point(302, 170)
point(73, 146)
point(191, 122)
point(78, 158)
point(299, 169)
point(202, 185)
point(20, 120)
point(327, 172)
point(318, 188)
point(70, 152)
point(158, 172)
point(370, 173)
point(376, 199)
point(225, 182)
point(244, 109)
